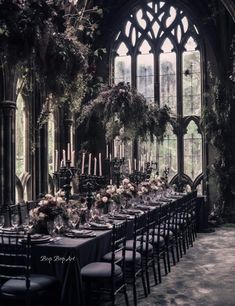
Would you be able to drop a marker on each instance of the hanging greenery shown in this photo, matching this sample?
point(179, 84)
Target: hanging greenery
point(122, 108)
point(51, 41)
point(216, 123)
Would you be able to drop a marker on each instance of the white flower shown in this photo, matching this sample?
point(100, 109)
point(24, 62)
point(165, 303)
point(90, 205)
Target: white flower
point(126, 181)
point(140, 193)
point(48, 196)
point(109, 191)
point(105, 199)
point(119, 190)
point(98, 196)
point(132, 188)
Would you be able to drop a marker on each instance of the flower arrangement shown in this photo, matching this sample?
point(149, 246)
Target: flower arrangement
point(51, 207)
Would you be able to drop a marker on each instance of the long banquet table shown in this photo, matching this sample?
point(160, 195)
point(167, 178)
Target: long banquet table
point(65, 258)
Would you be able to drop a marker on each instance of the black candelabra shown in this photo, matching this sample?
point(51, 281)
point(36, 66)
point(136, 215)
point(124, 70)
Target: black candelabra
point(89, 184)
point(115, 165)
point(63, 178)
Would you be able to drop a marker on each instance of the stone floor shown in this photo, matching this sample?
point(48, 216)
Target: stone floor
point(205, 276)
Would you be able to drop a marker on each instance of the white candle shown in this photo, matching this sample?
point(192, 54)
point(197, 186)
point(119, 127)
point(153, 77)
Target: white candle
point(64, 158)
point(123, 150)
point(120, 151)
point(61, 163)
point(139, 164)
point(129, 165)
point(147, 157)
point(135, 164)
point(95, 165)
point(100, 165)
point(110, 182)
point(107, 151)
point(115, 151)
point(73, 159)
point(56, 160)
point(143, 165)
point(89, 164)
point(83, 162)
point(110, 156)
point(68, 151)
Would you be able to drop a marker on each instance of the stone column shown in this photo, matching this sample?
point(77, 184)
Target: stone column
point(7, 152)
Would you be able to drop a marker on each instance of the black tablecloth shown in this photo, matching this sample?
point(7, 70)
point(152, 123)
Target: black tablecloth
point(64, 258)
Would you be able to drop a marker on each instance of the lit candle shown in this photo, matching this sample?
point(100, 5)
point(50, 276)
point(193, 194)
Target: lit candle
point(83, 162)
point(135, 164)
point(64, 158)
point(129, 165)
point(95, 165)
point(107, 151)
point(68, 151)
point(73, 159)
point(56, 160)
point(100, 165)
point(89, 164)
point(115, 151)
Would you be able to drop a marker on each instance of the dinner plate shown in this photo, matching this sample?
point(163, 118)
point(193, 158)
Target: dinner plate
point(37, 239)
point(97, 226)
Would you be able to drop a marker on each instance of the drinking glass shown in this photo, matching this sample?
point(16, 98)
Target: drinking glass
point(74, 220)
point(28, 224)
point(51, 228)
point(2, 221)
point(15, 221)
point(59, 223)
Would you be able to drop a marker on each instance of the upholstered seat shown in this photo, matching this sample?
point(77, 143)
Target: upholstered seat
point(128, 257)
point(17, 287)
point(102, 270)
point(130, 243)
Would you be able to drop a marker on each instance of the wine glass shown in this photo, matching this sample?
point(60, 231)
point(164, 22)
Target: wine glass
point(74, 220)
point(15, 221)
point(28, 224)
point(59, 223)
point(2, 221)
point(51, 228)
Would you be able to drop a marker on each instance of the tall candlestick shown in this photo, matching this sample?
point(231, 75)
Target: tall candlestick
point(68, 151)
point(115, 151)
point(83, 162)
point(73, 159)
point(95, 165)
point(123, 150)
point(64, 158)
point(129, 165)
point(100, 165)
point(56, 160)
point(107, 151)
point(135, 164)
point(89, 164)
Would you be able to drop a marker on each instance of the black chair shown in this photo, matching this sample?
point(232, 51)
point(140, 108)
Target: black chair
point(108, 278)
point(135, 255)
point(18, 285)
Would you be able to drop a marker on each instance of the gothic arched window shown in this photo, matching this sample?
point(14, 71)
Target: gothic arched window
point(157, 49)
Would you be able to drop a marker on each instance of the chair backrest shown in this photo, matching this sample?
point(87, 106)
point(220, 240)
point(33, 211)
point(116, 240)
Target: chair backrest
point(15, 257)
point(118, 244)
point(139, 230)
point(152, 221)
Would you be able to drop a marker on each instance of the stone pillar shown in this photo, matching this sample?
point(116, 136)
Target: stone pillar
point(7, 152)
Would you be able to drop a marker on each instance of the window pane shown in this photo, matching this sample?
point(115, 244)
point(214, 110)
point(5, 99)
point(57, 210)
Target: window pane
point(168, 80)
point(145, 76)
point(192, 151)
point(191, 83)
point(122, 69)
point(168, 153)
point(20, 136)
